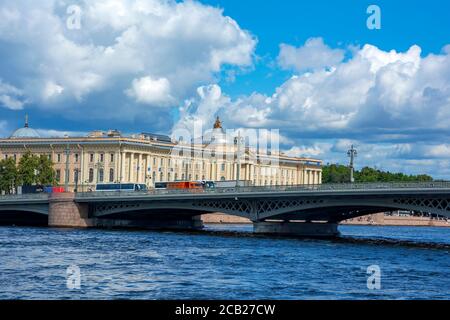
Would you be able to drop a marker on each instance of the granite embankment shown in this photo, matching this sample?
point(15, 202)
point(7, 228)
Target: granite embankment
point(375, 219)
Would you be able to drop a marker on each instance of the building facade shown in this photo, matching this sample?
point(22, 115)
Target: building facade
point(109, 157)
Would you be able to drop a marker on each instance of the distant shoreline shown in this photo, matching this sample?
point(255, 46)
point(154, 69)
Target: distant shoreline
point(370, 220)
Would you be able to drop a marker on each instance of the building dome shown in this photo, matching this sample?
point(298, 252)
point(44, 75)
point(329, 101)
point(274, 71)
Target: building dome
point(25, 132)
point(217, 136)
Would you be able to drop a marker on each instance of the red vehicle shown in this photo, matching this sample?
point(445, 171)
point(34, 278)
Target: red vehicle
point(180, 185)
point(184, 185)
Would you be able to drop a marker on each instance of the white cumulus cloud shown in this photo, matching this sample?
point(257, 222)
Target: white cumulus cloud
point(315, 54)
point(184, 44)
point(11, 97)
point(151, 91)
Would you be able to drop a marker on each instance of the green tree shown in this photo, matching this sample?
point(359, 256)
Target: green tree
point(28, 169)
point(8, 175)
point(45, 172)
point(341, 174)
point(335, 174)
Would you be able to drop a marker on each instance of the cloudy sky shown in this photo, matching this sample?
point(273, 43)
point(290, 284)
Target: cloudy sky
point(311, 69)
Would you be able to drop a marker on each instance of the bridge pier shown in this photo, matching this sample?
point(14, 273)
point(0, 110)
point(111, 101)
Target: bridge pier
point(64, 212)
point(299, 229)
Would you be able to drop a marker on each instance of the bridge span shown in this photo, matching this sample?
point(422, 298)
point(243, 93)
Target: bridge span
point(313, 210)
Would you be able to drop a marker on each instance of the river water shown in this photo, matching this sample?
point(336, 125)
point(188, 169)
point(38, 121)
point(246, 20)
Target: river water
point(224, 262)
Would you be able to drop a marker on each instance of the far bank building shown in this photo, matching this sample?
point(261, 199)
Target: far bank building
point(146, 158)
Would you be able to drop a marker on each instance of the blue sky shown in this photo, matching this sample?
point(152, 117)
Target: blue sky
point(339, 23)
point(309, 68)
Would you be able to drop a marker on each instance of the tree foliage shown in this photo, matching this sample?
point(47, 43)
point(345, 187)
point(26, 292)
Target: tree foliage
point(27, 169)
point(341, 174)
point(8, 175)
point(45, 172)
point(31, 170)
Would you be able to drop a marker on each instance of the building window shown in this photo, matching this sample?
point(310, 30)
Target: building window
point(75, 175)
point(223, 167)
point(222, 179)
point(112, 157)
point(58, 157)
point(58, 175)
point(196, 177)
point(91, 157)
point(168, 176)
point(161, 177)
point(111, 175)
point(176, 176)
point(91, 175)
point(102, 157)
point(50, 157)
point(154, 161)
point(76, 157)
point(6, 156)
point(162, 162)
point(182, 177)
point(15, 157)
point(101, 175)
point(154, 176)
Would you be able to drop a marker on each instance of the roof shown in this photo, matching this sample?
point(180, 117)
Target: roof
point(25, 132)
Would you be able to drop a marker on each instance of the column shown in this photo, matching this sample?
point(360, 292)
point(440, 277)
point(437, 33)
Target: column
point(139, 169)
point(117, 166)
point(122, 167)
point(86, 170)
point(81, 174)
point(147, 165)
point(130, 167)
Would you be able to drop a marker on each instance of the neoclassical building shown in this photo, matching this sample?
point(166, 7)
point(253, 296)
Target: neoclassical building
point(110, 157)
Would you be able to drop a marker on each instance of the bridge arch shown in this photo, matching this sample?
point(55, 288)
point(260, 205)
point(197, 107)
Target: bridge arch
point(336, 211)
point(23, 216)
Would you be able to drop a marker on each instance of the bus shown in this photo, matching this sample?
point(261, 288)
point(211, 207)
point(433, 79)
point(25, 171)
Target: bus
point(127, 187)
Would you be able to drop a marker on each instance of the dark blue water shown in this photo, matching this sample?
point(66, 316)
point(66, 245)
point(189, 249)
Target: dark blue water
point(414, 264)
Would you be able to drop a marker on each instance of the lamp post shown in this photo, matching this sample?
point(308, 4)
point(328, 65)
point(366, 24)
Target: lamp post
point(352, 153)
point(66, 179)
point(238, 158)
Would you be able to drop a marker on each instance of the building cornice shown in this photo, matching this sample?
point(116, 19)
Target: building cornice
point(126, 142)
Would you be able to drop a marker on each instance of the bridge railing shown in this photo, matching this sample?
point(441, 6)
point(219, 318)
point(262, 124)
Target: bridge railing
point(292, 188)
point(24, 197)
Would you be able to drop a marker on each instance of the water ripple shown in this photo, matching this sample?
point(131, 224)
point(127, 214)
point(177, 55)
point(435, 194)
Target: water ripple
point(225, 262)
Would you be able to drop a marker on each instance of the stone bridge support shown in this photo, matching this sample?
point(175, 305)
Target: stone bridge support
point(65, 212)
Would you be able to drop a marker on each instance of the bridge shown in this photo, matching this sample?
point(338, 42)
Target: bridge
point(311, 210)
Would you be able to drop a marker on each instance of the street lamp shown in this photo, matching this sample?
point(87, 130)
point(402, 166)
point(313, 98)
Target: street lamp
point(239, 140)
point(352, 153)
